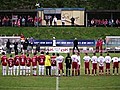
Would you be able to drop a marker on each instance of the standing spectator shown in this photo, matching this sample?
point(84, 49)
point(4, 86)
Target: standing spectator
point(97, 46)
point(16, 47)
point(38, 47)
point(72, 21)
point(75, 45)
point(86, 59)
point(25, 45)
point(47, 20)
point(68, 62)
point(92, 22)
point(101, 44)
point(54, 42)
point(8, 46)
point(74, 58)
point(117, 23)
point(48, 63)
point(51, 19)
point(4, 64)
point(55, 21)
point(63, 21)
point(10, 65)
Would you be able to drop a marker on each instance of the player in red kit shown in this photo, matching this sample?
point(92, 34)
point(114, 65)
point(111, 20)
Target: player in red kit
point(41, 61)
point(28, 64)
point(53, 64)
point(34, 64)
point(10, 65)
point(22, 64)
point(4, 63)
point(101, 43)
point(16, 64)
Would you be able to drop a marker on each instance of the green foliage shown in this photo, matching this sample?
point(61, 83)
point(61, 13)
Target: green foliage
point(61, 32)
point(88, 4)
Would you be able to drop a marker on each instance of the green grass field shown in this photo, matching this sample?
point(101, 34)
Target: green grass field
point(82, 82)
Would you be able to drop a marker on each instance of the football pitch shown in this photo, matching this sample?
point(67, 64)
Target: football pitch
point(83, 82)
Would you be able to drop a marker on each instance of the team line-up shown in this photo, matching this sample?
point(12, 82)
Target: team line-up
point(25, 65)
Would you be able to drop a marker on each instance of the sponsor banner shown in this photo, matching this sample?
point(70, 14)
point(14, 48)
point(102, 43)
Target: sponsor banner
point(65, 42)
point(58, 49)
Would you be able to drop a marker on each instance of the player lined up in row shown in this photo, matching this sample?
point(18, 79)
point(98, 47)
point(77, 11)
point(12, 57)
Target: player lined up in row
point(21, 64)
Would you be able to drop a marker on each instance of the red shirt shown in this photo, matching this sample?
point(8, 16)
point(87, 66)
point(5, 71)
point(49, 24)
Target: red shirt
point(17, 60)
point(53, 61)
point(41, 59)
point(22, 60)
point(28, 61)
point(10, 62)
point(100, 42)
point(4, 60)
point(34, 60)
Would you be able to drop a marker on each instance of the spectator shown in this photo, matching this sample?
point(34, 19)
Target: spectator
point(72, 21)
point(8, 46)
point(63, 21)
point(16, 47)
point(75, 44)
point(55, 21)
point(51, 19)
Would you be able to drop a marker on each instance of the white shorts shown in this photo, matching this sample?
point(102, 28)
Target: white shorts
point(34, 67)
point(16, 67)
point(22, 67)
point(4, 67)
point(41, 66)
point(53, 67)
point(10, 68)
point(27, 68)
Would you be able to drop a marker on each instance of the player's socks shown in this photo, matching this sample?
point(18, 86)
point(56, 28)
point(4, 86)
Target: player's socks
point(109, 71)
point(72, 72)
point(117, 70)
point(85, 71)
point(66, 72)
point(95, 71)
point(88, 71)
point(92, 71)
point(69, 72)
point(106, 71)
point(113, 70)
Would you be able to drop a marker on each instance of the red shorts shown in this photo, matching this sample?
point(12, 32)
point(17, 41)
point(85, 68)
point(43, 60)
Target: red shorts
point(107, 65)
point(115, 65)
point(94, 65)
point(101, 68)
point(74, 65)
point(86, 65)
point(60, 66)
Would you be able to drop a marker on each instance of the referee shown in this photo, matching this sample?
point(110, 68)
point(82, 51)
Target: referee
point(75, 44)
point(68, 62)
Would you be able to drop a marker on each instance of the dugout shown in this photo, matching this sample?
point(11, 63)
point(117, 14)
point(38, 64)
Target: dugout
point(102, 14)
point(68, 13)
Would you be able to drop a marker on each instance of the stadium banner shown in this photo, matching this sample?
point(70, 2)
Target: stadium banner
point(58, 49)
point(65, 42)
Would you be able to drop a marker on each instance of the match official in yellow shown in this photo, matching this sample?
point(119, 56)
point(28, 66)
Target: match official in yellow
point(48, 63)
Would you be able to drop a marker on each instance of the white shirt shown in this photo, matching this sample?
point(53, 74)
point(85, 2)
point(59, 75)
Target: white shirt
point(101, 60)
point(54, 42)
point(86, 58)
point(60, 59)
point(115, 59)
point(107, 59)
point(79, 62)
point(54, 19)
point(94, 59)
point(74, 58)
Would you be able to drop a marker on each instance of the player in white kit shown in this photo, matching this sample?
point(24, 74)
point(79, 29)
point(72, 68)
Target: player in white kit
point(107, 61)
point(87, 59)
point(94, 60)
point(101, 61)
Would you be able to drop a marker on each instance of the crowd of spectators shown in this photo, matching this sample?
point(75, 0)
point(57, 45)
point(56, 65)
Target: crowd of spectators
point(103, 22)
point(20, 21)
